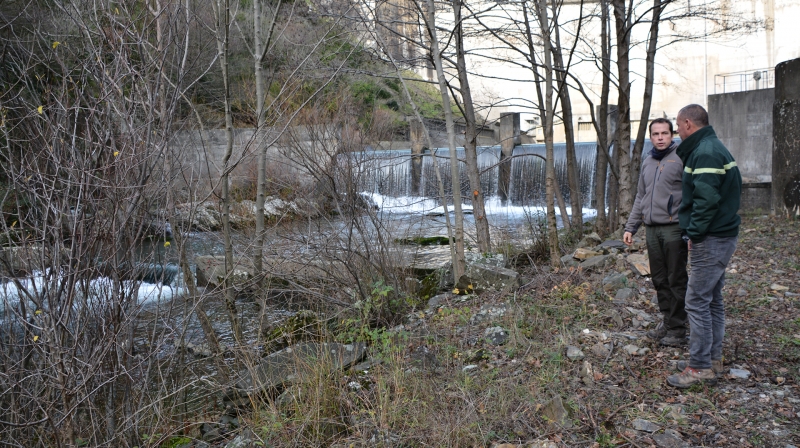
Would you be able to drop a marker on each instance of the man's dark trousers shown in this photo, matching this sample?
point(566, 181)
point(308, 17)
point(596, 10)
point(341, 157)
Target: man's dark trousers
point(668, 253)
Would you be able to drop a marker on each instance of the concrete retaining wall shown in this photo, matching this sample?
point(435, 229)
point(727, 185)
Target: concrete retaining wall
point(756, 198)
point(786, 155)
point(299, 151)
point(743, 121)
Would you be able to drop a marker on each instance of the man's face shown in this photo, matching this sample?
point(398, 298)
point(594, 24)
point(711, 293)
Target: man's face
point(660, 136)
point(683, 128)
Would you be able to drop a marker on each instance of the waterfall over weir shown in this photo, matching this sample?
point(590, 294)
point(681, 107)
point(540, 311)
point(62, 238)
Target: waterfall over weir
point(390, 177)
point(400, 184)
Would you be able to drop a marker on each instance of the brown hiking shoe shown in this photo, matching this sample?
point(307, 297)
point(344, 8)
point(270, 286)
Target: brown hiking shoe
point(691, 376)
point(658, 333)
point(716, 366)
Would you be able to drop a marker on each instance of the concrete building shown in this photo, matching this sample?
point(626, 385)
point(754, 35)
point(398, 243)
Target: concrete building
point(687, 70)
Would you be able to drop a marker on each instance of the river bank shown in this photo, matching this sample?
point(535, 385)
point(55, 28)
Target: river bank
point(561, 361)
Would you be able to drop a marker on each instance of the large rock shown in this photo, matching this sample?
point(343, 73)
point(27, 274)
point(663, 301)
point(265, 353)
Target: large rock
point(568, 261)
point(590, 240)
point(201, 216)
point(574, 353)
point(640, 264)
point(206, 216)
point(612, 244)
point(583, 253)
point(555, 412)
point(641, 424)
point(479, 277)
point(489, 313)
point(625, 294)
point(294, 365)
point(211, 271)
point(669, 439)
point(596, 262)
point(424, 261)
point(496, 335)
point(615, 281)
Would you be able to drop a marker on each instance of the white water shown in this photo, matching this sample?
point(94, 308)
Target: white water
point(146, 293)
point(498, 212)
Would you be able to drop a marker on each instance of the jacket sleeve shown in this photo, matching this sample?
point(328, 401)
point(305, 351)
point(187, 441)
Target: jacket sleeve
point(707, 176)
point(635, 218)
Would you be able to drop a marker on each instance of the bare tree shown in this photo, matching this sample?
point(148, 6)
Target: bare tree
point(458, 261)
point(547, 111)
point(88, 96)
point(222, 23)
point(261, 46)
point(561, 70)
point(622, 18)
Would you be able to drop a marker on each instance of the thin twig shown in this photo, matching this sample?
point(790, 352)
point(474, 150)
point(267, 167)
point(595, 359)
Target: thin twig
point(609, 354)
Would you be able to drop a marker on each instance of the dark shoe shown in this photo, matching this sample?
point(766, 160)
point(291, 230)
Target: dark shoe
point(659, 332)
point(690, 377)
point(672, 340)
point(716, 366)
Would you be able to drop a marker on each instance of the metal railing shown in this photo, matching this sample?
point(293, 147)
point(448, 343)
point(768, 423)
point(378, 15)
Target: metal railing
point(744, 81)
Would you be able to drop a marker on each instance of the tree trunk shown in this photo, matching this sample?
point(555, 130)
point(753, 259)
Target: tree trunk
point(550, 168)
point(261, 181)
point(623, 146)
point(455, 178)
point(471, 138)
point(223, 33)
point(545, 114)
point(602, 160)
point(260, 50)
point(647, 100)
point(575, 199)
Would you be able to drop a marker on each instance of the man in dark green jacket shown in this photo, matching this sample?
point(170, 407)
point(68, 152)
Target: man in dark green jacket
point(708, 217)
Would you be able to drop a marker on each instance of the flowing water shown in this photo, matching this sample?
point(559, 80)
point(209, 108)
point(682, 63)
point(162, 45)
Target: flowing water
point(387, 178)
point(405, 207)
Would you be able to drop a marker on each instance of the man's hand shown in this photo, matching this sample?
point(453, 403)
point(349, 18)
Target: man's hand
point(689, 244)
point(627, 238)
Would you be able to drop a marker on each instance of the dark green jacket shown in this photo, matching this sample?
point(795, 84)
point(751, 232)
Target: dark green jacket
point(712, 187)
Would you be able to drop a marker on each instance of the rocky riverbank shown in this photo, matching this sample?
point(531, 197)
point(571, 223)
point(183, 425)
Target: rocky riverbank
point(560, 361)
point(207, 216)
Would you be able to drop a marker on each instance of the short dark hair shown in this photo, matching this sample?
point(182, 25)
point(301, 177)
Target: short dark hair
point(662, 120)
point(696, 114)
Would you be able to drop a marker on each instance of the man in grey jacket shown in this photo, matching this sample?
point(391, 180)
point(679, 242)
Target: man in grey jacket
point(657, 202)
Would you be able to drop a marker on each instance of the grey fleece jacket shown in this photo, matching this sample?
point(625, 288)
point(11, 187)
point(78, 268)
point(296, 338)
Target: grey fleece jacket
point(658, 197)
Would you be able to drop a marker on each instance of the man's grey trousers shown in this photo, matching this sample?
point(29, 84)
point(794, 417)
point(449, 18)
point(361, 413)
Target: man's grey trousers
point(704, 299)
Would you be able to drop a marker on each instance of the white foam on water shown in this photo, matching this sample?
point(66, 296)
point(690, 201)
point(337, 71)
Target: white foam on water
point(494, 207)
point(146, 294)
point(410, 205)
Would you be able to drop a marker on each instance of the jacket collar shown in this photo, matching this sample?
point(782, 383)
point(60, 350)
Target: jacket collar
point(687, 146)
point(658, 155)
